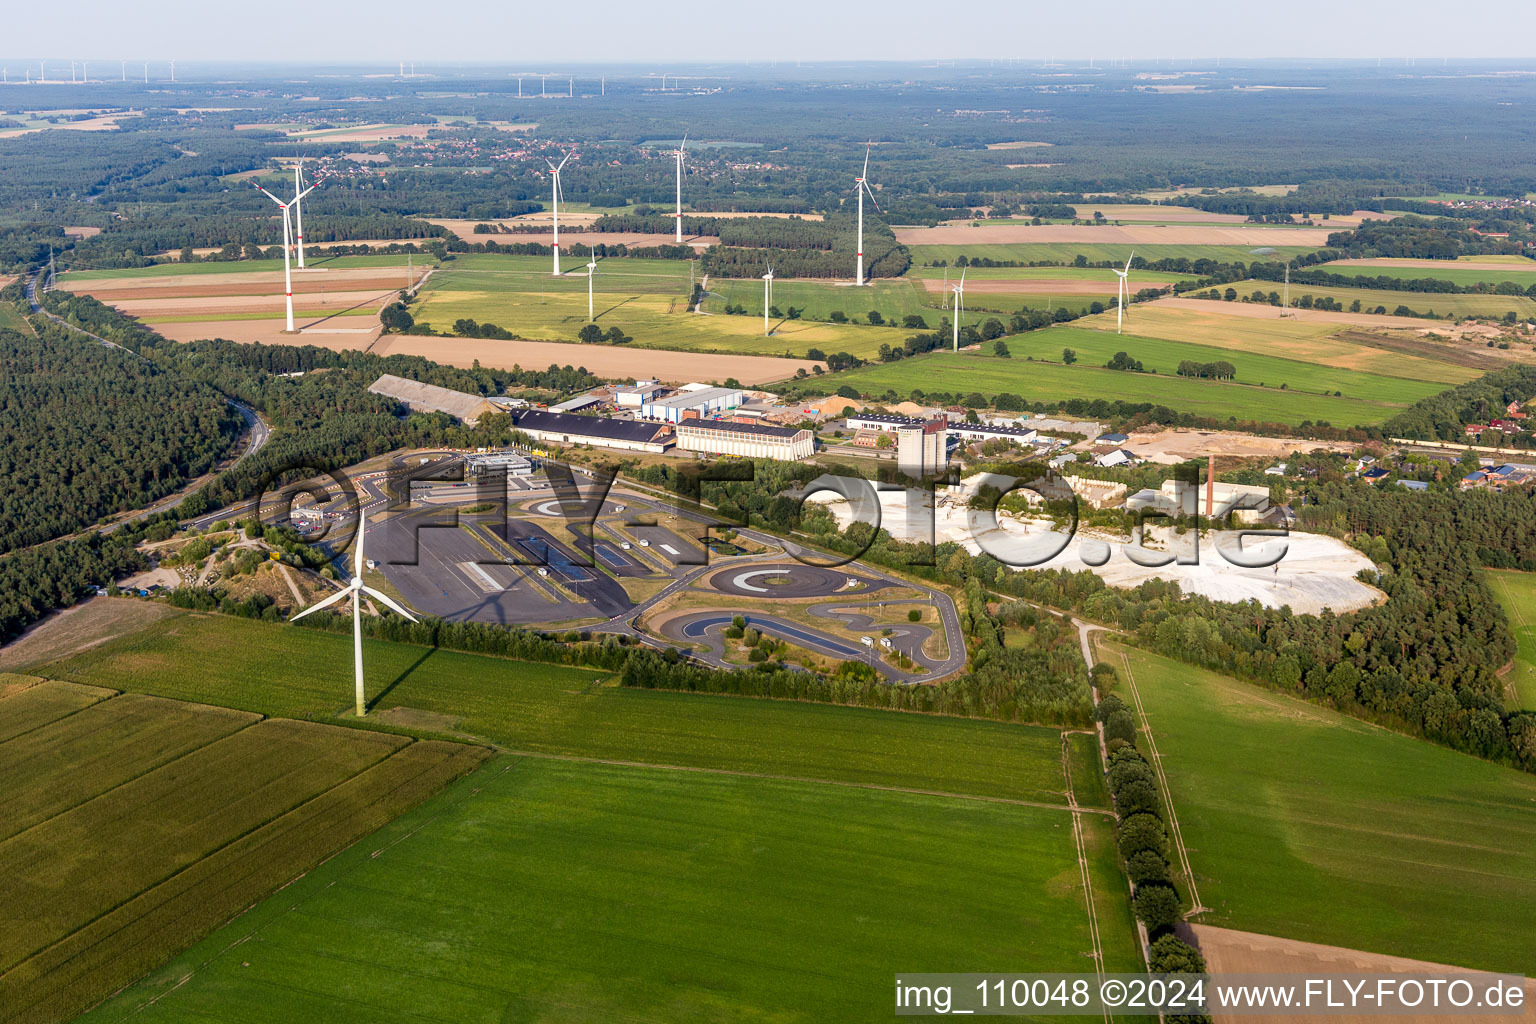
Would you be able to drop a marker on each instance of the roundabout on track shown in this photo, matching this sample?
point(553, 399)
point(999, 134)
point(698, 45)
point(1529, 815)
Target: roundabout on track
point(789, 580)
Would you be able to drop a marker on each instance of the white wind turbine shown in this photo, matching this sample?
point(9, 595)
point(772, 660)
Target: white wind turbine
point(861, 186)
point(678, 154)
point(355, 590)
point(287, 242)
point(554, 171)
point(591, 276)
point(767, 298)
point(1122, 290)
point(959, 290)
point(298, 209)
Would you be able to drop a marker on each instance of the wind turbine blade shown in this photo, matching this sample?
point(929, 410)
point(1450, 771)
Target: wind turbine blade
point(1128, 261)
point(685, 141)
point(388, 602)
point(306, 192)
point(865, 175)
point(338, 596)
point(872, 197)
point(963, 272)
point(567, 158)
point(269, 195)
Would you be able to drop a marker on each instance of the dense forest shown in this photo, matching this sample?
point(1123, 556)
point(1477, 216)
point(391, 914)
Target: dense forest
point(86, 431)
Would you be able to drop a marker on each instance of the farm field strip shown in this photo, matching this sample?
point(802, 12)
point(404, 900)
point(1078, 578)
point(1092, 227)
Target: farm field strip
point(647, 299)
point(169, 818)
point(1441, 303)
point(36, 706)
point(1249, 235)
point(1516, 591)
point(1053, 382)
point(559, 710)
point(1456, 272)
point(632, 893)
point(1096, 252)
point(1305, 823)
point(1092, 275)
point(134, 825)
point(1217, 326)
point(1271, 370)
point(261, 266)
point(58, 766)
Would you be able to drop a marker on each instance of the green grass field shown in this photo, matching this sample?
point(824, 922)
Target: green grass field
point(1052, 382)
point(1420, 302)
point(135, 825)
point(647, 299)
point(1311, 825)
point(1066, 252)
point(252, 666)
point(318, 259)
point(11, 320)
point(543, 890)
point(1217, 325)
point(1095, 347)
point(1520, 273)
point(1516, 591)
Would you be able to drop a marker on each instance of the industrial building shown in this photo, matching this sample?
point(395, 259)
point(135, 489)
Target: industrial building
point(419, 397)
point(637, 394)
point(988, 432)
point(510, 463)
point(586, 401)
point(622, 435)
point(882, 421)
point(693, 401)
point(922, 447)
point(747, 440)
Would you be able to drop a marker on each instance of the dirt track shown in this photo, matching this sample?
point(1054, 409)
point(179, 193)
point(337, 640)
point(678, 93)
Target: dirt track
point(603, 360)
point(1228, 951)
point(338, 334)
point(1144, 234)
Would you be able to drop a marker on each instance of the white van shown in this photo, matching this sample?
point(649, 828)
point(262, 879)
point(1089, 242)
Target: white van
point(867, 641)
point(645, 543)
point(885, 642)
point(625, 545)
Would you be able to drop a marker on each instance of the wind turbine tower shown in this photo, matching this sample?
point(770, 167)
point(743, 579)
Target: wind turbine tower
point(1122, 290)
point(861, 186)
point(767, 299)
point(287, 243)
point(678, 155)
point(298, 208)
point(355, 590)
point(591, 276)
point(959, 307)
point(554, 171)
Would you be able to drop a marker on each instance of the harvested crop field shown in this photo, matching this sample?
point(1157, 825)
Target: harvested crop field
point(1515, 264)
point(307, 282)
point(1158, 214)
point(603, 360)
point(366, 133)
point(216, 307)
point(1264, 311)
point(135, 825)
point(1234, 952)
point(1232, 326)
point(75, 629)
point(1147, 234)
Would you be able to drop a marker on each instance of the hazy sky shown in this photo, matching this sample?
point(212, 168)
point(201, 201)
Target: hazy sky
point(544, 32)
